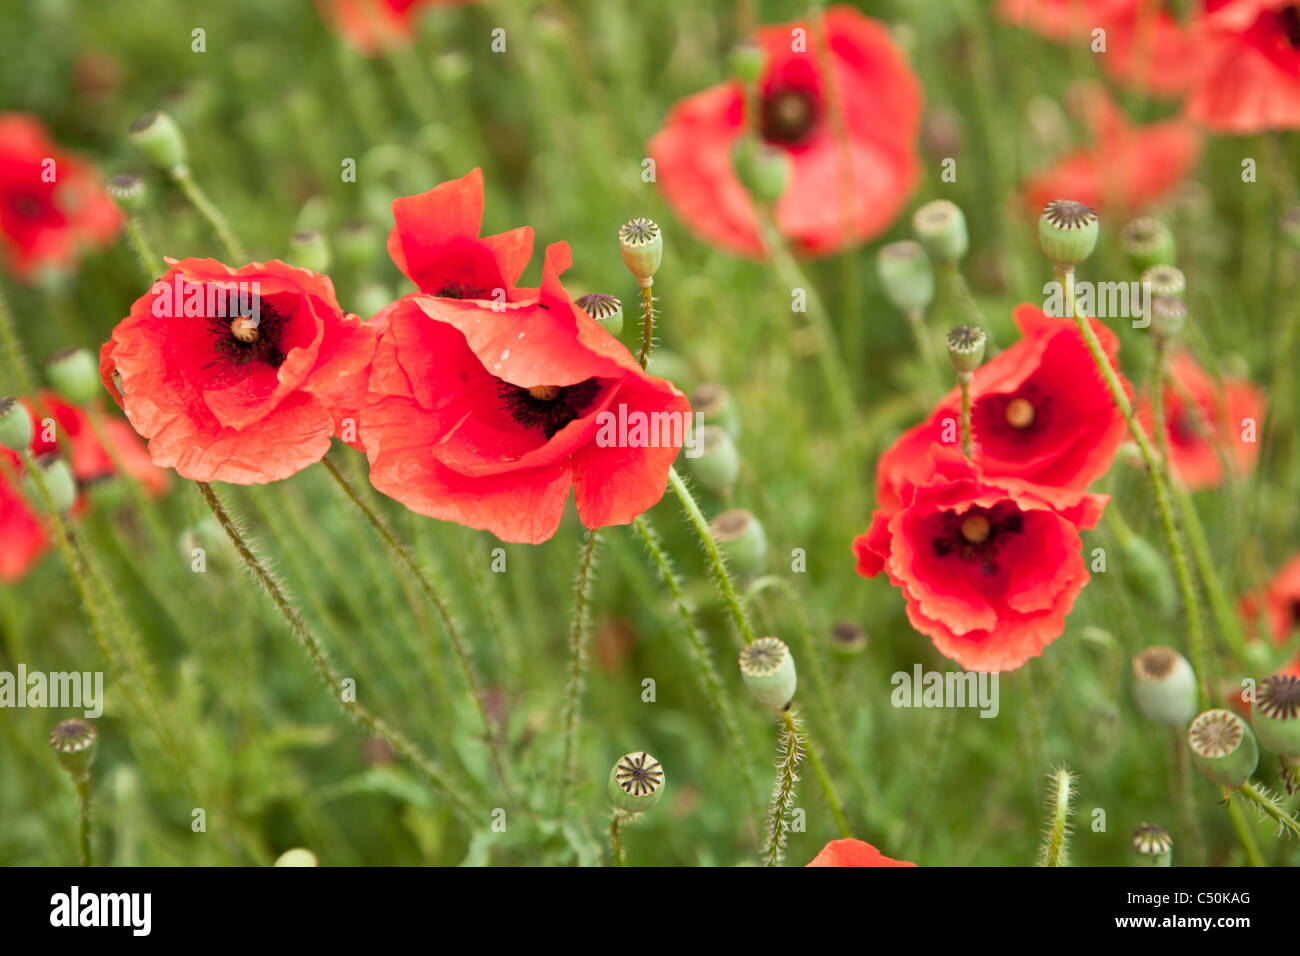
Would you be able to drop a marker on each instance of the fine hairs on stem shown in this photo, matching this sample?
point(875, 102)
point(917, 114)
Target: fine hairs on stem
point(1055, 849)
point(789, 753)
point(577, 662)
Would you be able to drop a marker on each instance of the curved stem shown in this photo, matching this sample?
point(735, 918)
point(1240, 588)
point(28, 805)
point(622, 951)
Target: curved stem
point(1269, 806)
point(184, 178)
point(144, 254)
point(924, 345)
point(577, 663)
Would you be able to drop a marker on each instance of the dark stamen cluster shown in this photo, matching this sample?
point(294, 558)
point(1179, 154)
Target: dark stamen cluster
point(550, 413)
point(1004, 522)
point(639, 775)
point(1279, 696)
point(1068, 214)
point(788, 116)
point(458, 290)
point(263, 342)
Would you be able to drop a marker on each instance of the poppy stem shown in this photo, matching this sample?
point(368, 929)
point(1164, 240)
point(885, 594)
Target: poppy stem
point(449, 625)
point(924, 344)
point(1242, 828)
point(83, 818)
point(13, 346)
point(1060, 790)
point(789, 752)
point(149, 262)
point(1195, 628)
point(1268, 805)
point(964, 380)
point(316, 652)
point(616, 836)
point(577, 661)
point(183, 176)
point(647, 320)
point(1181, 791)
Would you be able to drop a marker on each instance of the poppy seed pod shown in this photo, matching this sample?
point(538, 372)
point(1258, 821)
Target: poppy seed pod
point(1164, 686)
point(298, 856)
point(742, 541)
point(74, 746)
point(718, 464)
point(1165, 280)
point(16, 428)
point(966, 348)
point(940, 226)
point(605, 309)
point(1277, 714)
point(848, 639)
point(1154, 845)
point(767, 667)
point(128, 191)
point(1223, 747)
point(308, 250)
point(1148, 242)
point(74, 374)
point(636, 783)
point(905, 275)
point(59, 483)
point(763, 170)
point(1067, 231)
point(642, 245)
point(717, 406)
point(159, 139)
point(747, 61)
point(1147, 574)
point(356, 242)
point(1168, 316)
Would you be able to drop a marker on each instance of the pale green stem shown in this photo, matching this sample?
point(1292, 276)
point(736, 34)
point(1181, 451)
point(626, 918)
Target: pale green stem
point(577, 664)
point(144, 254)
point(924, 344)
point(789, 753)
point(1242, 828)
point(83, 818)
point(1056, 848)
point(183, 176)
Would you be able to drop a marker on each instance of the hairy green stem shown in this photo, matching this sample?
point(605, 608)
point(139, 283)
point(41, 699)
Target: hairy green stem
point(183, 176)
point(577, 663)
point(789, 753)
point(647, 320)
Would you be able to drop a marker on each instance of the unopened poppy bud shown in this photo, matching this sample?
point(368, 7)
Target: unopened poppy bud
point(1148, 242)
point(742, 541)
point(356, 242)
point(1147, 574)
point(1223, 747)
point(1165, 280)
point(718, 463)
point(298, 856)
point(636, 783)
point(1276, 714)
point(74, 746)
point(58, 480)
point(1067, 231)
point(1291, 226)
point(642, 246)
point(159, 139)
point(905, 275)
point(1168, 316)
point(128, 191)
point(966, 348)
point(1154, 845)
point(848, 639)
point(74, 374)
point(1164, 686)
point(747, 62)
point(16, 427)
point(767, 668)
point(605, 309)
point(940, 225)
point(717, 406)
point(308, 250)
point(763, 170)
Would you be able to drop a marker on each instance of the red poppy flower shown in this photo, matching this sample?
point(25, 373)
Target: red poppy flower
point(1040, 412)
point(25, 539)
point(1128, 168)
point(373, 26)
point(90, 461)
point(225, 397)
point(853, 853)
point(489, 414)
point(1206, 423)
point(51, 204)
point(1279, 602)
point(871, 94)
point(1252, 82)
point(990, 566)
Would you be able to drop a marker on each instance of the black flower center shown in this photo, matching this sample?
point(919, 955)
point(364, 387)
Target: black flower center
point(243, 334)
point(1025, 412)
point(1290, 18)
point(976, 535)
point(458, 290)
point(788, 116)
point(548, 407)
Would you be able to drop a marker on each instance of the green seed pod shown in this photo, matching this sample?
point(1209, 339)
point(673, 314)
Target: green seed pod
point(74, 374)
point(1277, 714)
point(159, 139)
point(16, 428)
point(1291, 226)
point(1223, 747)
point(636, 783)
point(58, 480)
point(718, 463)
point(129, 192)
point(742, 541)
point(1148, 242)
point(309, 250)
point(1164, 686)
point(717, 406)
point(298, 856)
point(966, 348)
point(642, 245)
point(763, 170)
point(1168, 316)
point(941, 227)
point(357, 243)
point(905, 275)
point(1067, 231)
point(1147, 574)
point(1165, 280)
point(605, 309)
point(1154, 845)
point(848, 639)
point(767, 668)
point(747, 61)
point(74, 746)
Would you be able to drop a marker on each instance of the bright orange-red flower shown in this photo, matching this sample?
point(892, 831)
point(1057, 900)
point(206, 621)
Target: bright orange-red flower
point(24, 537)
point(840, 191)
point(373, 26)
point(853, 853)
point(1252, 82)
point(1279, 602)
point(52, 205)
point(1127, 169)
point(235, 374)
point(70, 431)
point(1207, 423)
